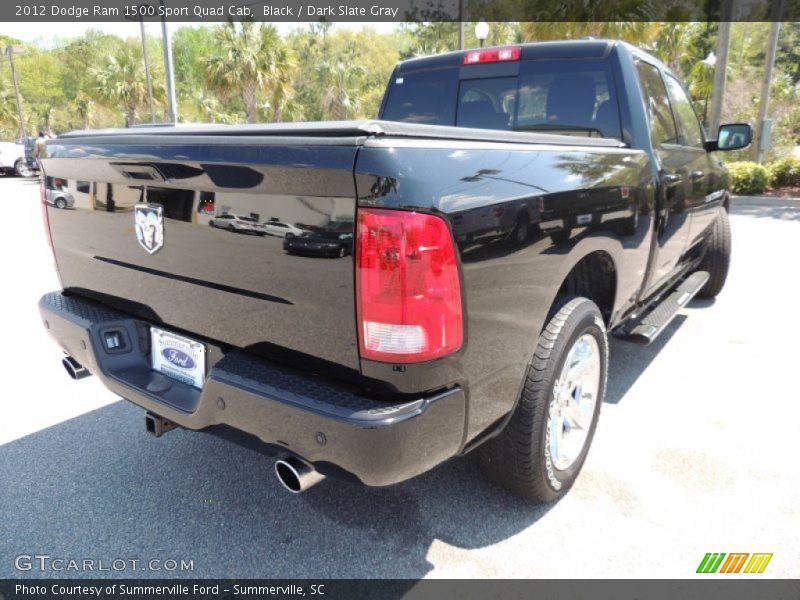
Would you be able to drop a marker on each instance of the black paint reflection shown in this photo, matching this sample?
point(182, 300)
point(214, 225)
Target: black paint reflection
point(244, 290)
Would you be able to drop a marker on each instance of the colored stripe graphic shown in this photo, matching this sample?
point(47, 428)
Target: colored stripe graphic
point(710, 562)
point(758, 563)
point(734, 562)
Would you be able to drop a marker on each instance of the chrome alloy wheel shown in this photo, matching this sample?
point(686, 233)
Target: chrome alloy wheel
point(22, 169)
point(573, 405)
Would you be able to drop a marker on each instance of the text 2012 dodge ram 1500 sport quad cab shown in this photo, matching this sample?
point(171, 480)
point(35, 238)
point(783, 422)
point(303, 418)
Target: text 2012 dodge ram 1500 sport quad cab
point(511, 207)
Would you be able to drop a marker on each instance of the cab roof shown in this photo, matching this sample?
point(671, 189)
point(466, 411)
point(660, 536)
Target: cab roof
point(585, 48)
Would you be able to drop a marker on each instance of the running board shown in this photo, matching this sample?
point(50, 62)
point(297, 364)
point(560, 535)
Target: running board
point(652, 323)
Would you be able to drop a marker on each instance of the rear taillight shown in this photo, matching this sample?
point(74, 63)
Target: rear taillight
point(491, 55)
point(407, 287)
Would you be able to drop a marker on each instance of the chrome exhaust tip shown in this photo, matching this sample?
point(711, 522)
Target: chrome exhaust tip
point(75, 369)
point(296, 475)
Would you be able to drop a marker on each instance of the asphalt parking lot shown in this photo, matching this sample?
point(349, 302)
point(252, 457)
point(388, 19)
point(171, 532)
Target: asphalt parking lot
point(696, 452)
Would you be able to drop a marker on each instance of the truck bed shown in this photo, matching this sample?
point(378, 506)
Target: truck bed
point(234, 289)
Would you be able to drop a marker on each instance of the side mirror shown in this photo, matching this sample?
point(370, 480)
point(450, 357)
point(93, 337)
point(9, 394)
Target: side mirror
point(731, 136)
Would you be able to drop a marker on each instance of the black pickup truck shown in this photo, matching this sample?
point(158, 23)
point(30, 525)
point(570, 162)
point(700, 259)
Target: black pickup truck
point(511, 207)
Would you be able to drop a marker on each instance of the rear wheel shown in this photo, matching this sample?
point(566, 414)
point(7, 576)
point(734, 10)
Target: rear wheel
point(543, 447)
point(717, 258)
point(61, 203)
point(342, 252)
point(521, 230)
point(22, 169)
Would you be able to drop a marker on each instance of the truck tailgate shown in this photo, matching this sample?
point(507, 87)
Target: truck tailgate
point(221, 279)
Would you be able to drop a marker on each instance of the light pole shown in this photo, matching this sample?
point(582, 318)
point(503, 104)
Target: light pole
point(482, 31)
point(10, 51)
point(460, 24)
point(762, 133)
point(147, 71)
point(173, 103)
point(709, 61)
point(146, 56)
point(720, 67)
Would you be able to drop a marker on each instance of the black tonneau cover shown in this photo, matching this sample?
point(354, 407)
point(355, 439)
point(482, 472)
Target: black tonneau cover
point(355, 131)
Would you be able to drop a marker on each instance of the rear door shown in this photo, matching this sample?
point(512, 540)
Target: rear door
point(704, 193)
point(675, 184)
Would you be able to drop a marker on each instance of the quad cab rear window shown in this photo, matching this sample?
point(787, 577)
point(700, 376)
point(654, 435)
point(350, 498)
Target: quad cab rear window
point(566, 96)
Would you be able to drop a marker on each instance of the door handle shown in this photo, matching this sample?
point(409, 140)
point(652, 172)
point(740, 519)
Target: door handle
point(672, 179)
point(697, 175)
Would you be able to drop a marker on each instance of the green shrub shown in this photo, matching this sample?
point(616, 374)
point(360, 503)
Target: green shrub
point(785, 172)
point(748, 177)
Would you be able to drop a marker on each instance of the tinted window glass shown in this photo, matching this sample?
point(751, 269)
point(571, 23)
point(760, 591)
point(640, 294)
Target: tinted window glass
point(487, 103)
point(575, 97)
point(427, 97)
point(689, 132)
point(662, 125)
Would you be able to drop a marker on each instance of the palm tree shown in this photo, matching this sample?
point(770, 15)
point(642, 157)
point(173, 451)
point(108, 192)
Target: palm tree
point(250, 60)
point(281, 89)
point(83, 106)
point(120, 81)
point(208, 105)
point(636, 32)
point(341, 83)
point(8, 106)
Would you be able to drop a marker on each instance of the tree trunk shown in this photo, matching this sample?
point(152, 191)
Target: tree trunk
point(338, 107)
point(130, 115)
point(249, 98)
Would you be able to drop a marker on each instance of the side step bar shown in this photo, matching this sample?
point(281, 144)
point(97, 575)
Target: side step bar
point(653, 322)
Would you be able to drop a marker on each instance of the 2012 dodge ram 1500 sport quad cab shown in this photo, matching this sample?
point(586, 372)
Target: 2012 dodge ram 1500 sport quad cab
point(511, 207)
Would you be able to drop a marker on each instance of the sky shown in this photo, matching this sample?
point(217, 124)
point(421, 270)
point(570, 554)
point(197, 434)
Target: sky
point(45, 33)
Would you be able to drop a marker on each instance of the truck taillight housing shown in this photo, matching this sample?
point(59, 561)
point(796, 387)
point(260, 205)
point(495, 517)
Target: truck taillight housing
point(408, 292)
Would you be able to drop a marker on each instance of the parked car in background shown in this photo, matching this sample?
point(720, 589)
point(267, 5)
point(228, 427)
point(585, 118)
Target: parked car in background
point(238, 223)
point(13, 160)
point(326, 242)
point(57, 194)
point(280, 229)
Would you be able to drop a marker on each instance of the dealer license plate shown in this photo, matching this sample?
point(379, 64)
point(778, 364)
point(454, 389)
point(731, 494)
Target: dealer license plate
point(178, 357)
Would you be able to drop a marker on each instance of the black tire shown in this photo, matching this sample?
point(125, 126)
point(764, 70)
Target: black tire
point(61, 203)
point(342, 252)
point(519, 235)
point(717, 258)
point(22, 169)
point(518, 459)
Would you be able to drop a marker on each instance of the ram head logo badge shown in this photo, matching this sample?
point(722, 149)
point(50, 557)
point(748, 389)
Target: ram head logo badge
point(150, 226)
